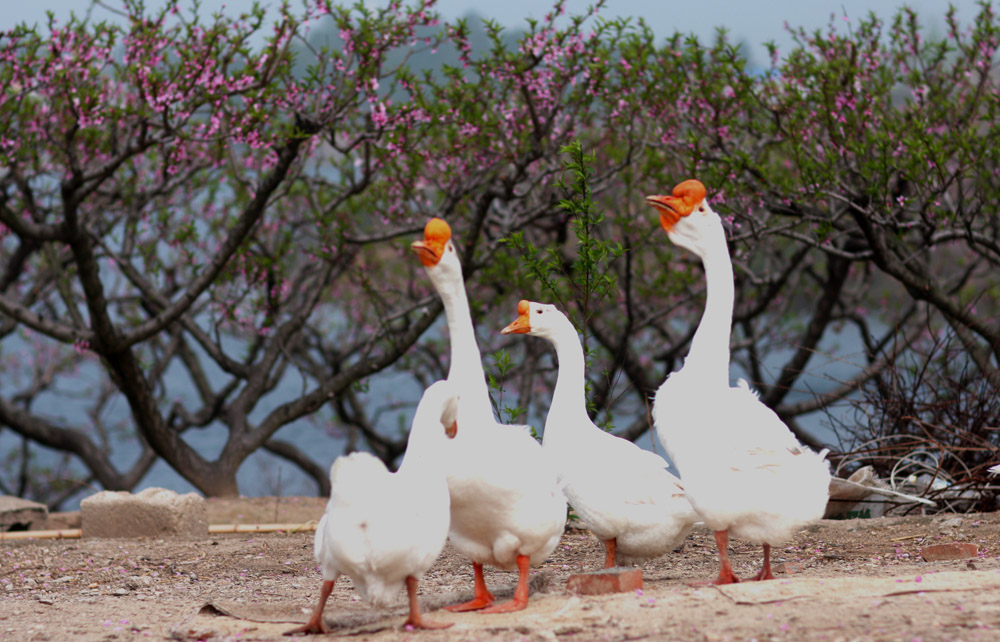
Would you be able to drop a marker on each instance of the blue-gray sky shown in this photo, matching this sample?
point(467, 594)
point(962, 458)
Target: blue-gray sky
point(753, 22)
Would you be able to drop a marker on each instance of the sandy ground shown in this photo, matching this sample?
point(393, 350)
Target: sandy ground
point(837, 581)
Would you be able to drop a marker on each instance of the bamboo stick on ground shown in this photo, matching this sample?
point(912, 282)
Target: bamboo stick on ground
point(66, 533)
point(213, 529)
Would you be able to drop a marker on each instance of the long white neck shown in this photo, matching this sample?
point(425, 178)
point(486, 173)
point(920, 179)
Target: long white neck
point(466, 369)
point(423, 450)
point(709, 353)
point(569, 403)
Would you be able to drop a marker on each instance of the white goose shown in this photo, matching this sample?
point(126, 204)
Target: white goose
point(385, 529)
point(507, 509)
point(743, 470)
point(623, 493)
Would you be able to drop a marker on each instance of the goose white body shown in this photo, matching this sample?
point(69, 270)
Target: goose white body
point(620, 491)
point(381, 527)
point(743, 470)
point(505, 500)
point(506, 505)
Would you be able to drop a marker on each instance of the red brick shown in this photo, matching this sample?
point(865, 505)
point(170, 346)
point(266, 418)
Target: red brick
point(609, 580)
point(953, 551)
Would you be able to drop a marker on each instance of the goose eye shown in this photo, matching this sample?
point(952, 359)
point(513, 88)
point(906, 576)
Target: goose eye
point(701, 209)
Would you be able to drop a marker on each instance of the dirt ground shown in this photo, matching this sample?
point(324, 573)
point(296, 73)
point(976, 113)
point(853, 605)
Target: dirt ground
point(838, 581)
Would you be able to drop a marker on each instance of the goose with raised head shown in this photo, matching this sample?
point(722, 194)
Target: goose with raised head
point(383, 529)
point(507, 509)
point(744, 471)
point(624, 494)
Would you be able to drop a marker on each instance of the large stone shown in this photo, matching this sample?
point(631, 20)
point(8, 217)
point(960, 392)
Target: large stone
point(18, 514)
point(153, 512)
point(58, 521)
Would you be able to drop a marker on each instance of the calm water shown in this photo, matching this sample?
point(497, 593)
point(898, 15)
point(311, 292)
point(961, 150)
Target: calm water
point(265, 474)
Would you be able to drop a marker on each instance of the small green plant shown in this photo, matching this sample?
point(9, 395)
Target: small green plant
point(502, 365)
point(581, 277)
point(591, 276)
point(576, 280)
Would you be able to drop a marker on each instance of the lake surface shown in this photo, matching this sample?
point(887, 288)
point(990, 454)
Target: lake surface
point(264, 474)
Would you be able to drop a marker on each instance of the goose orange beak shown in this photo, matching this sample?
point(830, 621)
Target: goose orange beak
point(449, 417)
point(674, 207)
point(437, 233)
point(522, 324)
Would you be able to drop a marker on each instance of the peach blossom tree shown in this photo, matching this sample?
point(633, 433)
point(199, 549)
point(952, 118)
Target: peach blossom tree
point(205, 225)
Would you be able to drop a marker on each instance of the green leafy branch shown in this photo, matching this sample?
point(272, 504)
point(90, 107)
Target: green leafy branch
point(577, 280)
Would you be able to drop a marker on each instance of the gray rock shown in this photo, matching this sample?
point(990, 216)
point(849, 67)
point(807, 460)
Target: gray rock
point(153, 512)
point(18, 514)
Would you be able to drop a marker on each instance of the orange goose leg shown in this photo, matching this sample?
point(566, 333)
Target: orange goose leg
point(765, 571)
point(416, 620)
point(481, 595)
point(520, 600)
point(726, 575)
point(315, 623)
